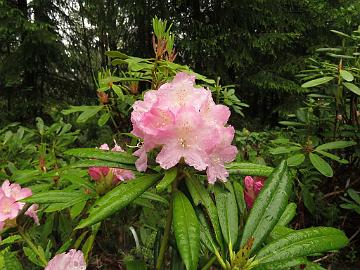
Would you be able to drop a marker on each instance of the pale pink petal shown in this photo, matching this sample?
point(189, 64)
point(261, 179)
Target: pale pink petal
point(104, 147)
point(249, 182)
point(169, 156)
point(216, 172)
point(9, 209)
point(73, 260)
point(117, 148)
point(122, 174)
point(195, 158)
point(32, 212)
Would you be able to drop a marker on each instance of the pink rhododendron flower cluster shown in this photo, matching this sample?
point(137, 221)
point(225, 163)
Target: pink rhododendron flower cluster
point(116, 174)
point(10, 194)
point(186, 123)
point(73, 260)
point(253, 185)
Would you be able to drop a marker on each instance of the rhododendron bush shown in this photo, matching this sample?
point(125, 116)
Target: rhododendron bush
point(171, 191)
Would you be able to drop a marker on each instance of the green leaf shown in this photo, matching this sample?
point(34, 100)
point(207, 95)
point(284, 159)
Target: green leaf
point(116, 54)
point(228, 215)
point(335, 145)
point(169, 177)
point(332, 156)
point(100, 163)
point(308, 199)
point(346, 75)
point(303, 243)
point(321, 165)
point(288, 215)
point(352, 87)
point(88, 113)
point(354, 195)
point(93, 153)
point(56, 196)
point(268, 207)
point(148, 195)
point(10, 240)
point(199, 195)
point(239, 195)
point(284, 150)
point(118, 198)
point(9, 261)
point(103, 119)
point(118, 91)
point(340, 33)
point(205, 232)
point(317, 82)
point(186, 230)
point(291, 123)
point(290, 263)
point(296, 160)
point(248, 169)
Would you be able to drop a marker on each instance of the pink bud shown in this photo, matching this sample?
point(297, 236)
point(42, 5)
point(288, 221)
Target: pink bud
point(252, 189)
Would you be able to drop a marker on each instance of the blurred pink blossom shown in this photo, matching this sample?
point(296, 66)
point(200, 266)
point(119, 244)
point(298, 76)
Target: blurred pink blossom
point(73, 260)
point(184, 121)
point(253, 185)
point(10, 194)
point(99, 173)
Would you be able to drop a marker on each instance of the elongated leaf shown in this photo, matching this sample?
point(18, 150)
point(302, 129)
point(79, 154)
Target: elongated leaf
point(101, 163)
point(317, 82)
point(148, 195)
point(88, 113)
point(205, 232)
point(354, 195)
point(296, 160)
point(169, 177)
point(288, 215)
point(291, 123)
point(321, 165)
point(335, 145)
point(117, 199)
point(268, 207)
point(332, 156)
point(303, 243)
point(103, 119)
point(228, 216)
point(55, 196)
point(352, 87)
point(346, 75)
point(248, 169)
point(290, 263)
point(284, 150)
point(239, 195)
point(121, 157)
point(199, 195)
point(186, 230)
point(278, 232)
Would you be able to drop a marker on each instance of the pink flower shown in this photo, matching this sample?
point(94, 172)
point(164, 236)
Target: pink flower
point(186, 124)
point(117, 175)
point(252, 189)
point(10, 194)
point(73, 260)
point(32, 212)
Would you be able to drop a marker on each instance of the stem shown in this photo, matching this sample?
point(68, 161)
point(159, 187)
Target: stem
point(32, 246)
point(209, 263)
point(165, 239)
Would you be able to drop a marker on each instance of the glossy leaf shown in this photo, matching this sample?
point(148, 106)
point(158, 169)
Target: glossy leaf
point(228, 215)
point(186, 230)
point(321, 165)
point(296, 160)
point(200, 195)
point(169, 177)
point(121, 157)
point(88, 113)
point(335, 145)
point(303, 243)
point(346, 75)
point(288, 214)
point(332, 156)
point(56, 196)
point(248, 169)
point(268, 207)
point(103, 119)
point(118, 198)
point(317, 82)
point(352, 87)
